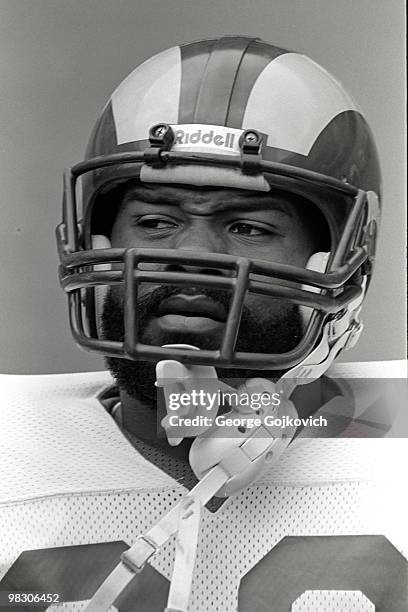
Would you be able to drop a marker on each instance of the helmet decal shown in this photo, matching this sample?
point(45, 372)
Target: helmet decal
point(290, 82)
point(149, 95)
point(302, 99)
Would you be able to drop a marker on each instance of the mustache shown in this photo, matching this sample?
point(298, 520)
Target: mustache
point(151, 301)
point(278, 333)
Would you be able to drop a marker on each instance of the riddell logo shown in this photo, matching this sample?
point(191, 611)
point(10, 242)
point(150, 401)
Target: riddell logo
point(206, 137)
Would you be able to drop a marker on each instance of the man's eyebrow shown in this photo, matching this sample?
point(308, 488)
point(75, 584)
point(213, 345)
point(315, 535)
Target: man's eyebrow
point(250, 203)
point(150, 196)
point(255, 204)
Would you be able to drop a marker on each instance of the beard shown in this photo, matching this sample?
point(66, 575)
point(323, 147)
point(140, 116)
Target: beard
point(279, 333)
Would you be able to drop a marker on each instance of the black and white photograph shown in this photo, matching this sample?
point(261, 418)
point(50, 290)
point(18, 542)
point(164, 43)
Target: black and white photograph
point(203, 323)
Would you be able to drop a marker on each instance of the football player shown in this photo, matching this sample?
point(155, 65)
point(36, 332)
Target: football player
point(220, 234)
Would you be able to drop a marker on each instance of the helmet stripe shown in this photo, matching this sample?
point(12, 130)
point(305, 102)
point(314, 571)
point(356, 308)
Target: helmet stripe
point(214, 83)
point(257, 56)
point(194, 58)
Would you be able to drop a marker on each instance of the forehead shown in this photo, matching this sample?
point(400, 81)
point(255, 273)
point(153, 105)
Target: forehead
point(211, 200)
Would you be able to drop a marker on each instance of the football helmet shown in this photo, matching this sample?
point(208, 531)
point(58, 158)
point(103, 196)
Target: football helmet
point(234, 112)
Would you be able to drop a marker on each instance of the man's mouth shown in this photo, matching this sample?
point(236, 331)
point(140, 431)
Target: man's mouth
point(192, 306)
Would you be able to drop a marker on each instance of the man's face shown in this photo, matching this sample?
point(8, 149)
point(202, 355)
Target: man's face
point(268, 226)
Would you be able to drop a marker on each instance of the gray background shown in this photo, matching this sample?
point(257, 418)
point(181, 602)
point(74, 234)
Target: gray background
point(59, 62)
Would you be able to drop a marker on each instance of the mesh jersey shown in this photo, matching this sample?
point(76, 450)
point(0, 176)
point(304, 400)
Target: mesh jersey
point(68, 477)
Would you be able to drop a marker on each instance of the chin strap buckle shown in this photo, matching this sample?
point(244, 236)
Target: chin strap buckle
point(193, 383)
point(135, 558)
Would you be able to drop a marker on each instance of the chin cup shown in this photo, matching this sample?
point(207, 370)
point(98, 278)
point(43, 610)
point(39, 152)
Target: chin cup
point(242, 442)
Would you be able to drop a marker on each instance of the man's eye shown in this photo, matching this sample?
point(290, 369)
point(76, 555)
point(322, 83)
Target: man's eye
point(247, 229)
point(155, 223)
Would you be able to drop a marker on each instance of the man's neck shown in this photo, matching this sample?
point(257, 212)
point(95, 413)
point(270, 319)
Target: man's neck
point(143, 421)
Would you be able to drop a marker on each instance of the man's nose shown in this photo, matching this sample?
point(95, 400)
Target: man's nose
point(199, 241)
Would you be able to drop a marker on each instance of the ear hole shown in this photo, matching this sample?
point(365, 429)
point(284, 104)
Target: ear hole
point(318, 263)
point(101, 242)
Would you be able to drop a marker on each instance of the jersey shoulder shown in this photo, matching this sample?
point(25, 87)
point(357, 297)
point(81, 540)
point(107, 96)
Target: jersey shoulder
point(397, 368)
point(57, 439)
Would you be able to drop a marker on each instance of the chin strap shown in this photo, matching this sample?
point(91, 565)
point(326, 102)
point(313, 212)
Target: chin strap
point(339, 334)
point(183, 519)
point(184, 561)
point(223, 465)
point(319, 360)
point(229, 466)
